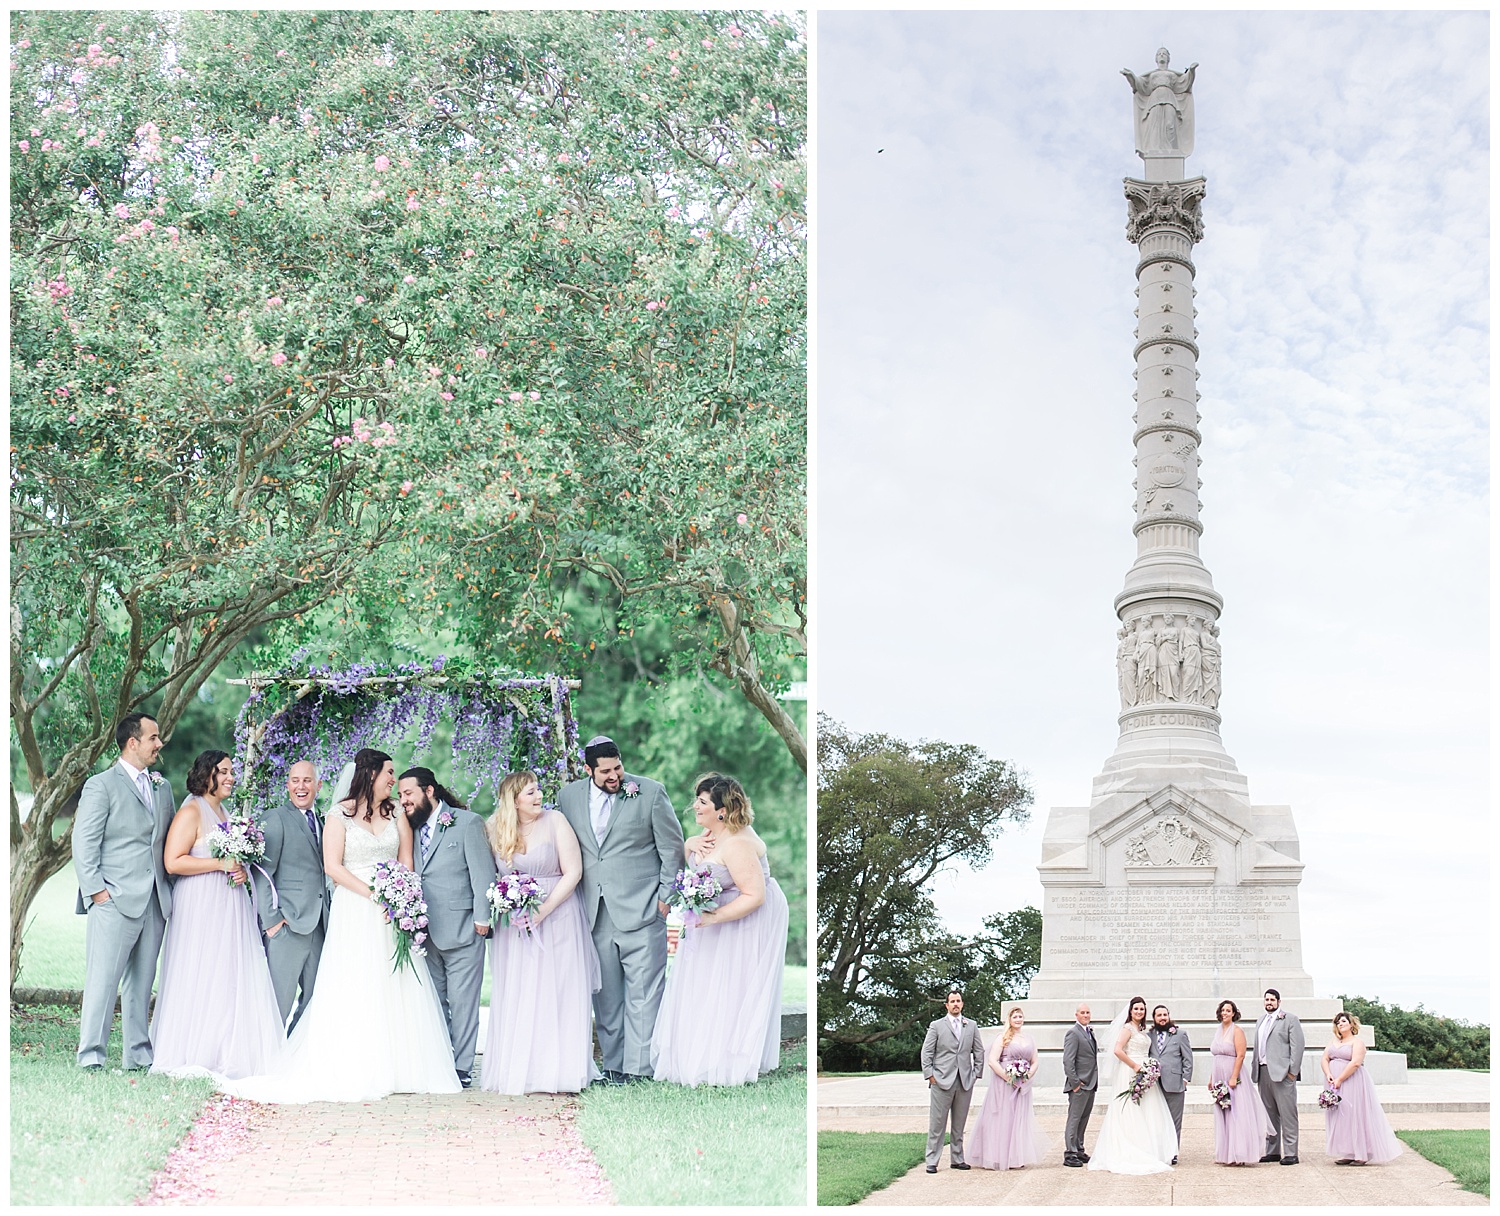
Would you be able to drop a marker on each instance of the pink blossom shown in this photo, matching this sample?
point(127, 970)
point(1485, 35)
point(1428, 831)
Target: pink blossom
point(278, 359)
point(675, 72)
point(406, 487)
point(708, 44)
point(389, 363)
point(672, 54)
point(650, 42)
point(228, 379)
point(534, 395)
point(72, 417)
point(359, 299)
point(110, 390)
point(35, 131)
point(255, 158)
point(275, 302)
point(24, 145)
point(172, 232)
point(91, 142)
point(122, 212)
point(176, 139)
point(146, 226)
point(673, 212)
point(63, 391)
point(742, 518)
point(481, 353)
point(446, 396)
point(382, 163)
point(515, 396)
point(411, 278)
point(562, 158)
point(652, 305)
point(25, 42)
point(735, 31)
point(411, 203)
point(280, 54)
point(468, 253)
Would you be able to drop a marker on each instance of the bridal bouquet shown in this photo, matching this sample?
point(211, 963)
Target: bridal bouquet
point(239, 837)
point(514, 896)
point(398, 893)
point(1222, 1095)
point(1018, 1072)
point(695, 890)
point(1329, 1098)
point(1144, 1079)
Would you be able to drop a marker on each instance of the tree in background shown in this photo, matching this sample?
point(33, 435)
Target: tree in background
point(891, 814)
point(1428, 1040)
point(399, 312)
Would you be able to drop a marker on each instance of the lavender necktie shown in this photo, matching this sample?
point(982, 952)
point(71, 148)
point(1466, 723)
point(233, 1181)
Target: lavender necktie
point(143, 782)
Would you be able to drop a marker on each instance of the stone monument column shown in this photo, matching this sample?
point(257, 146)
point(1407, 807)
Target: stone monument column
point(1170, 884)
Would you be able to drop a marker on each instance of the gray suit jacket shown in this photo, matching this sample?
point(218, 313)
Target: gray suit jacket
point(1080, 1060)
point(640, 855)
point(949, 1062)
point(118, 843)
point(1175, 1058)
point(1284, 1047)
point(455, 876)
point(295, 864)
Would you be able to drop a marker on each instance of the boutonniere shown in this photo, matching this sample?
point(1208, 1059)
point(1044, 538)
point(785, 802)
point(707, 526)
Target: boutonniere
point(1171, 1030)
point(445, 818)
point(157, 779)
point(632, 790)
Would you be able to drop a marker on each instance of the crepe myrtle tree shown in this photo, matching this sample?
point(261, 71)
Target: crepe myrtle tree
point(891, 814)
point(287, 297)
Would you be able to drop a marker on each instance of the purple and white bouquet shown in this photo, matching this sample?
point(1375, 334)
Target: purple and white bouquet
point(1222, 1095)
point(695, 890)
point(1146, 1076)
point(398, 893)
point(239, 837)
point(1018, 1072)
point(1329, 1098)
point(514, 897)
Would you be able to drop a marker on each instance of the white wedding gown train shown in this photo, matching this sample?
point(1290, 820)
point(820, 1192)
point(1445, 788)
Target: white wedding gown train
point(1135, 1139)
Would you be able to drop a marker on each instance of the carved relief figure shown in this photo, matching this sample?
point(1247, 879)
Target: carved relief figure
point(1163, 108)
point(1211, 656)
point(1170, 842)
point(1125, 664)
point(1167, 659)
point(1145, 660)
point(1192, 661)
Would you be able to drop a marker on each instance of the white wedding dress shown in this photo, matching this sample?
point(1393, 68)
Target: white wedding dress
point(369, 1030)
point(1135, 1139)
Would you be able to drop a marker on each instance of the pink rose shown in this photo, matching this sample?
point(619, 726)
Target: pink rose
point(481, 353)
point(406, 487)
point(742, 518)
point(534, 395)
point(515, 396)
point(24, 145)
point(228, 379)
point(278, 359)
point(411, 278)
point(275, 302)
point(412, 204)
point(446, 396)
point(122, 212)
point(359, 299)
point(650, 42)
point(382, 163)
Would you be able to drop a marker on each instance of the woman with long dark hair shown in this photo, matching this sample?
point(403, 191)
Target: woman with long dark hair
point(371, 1028)
point(216, 1011)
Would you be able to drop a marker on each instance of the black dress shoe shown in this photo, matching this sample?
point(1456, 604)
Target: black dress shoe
point(635, 1078)
point(1174, 1160)
point(932, 1169)
point(1084, 1157)
point(1289, 1161)
point(613, 1077)
point(958, 1165)
point(465, 1080)
point(1270, 1157)
point(92, 1067)
point(1073, 1163)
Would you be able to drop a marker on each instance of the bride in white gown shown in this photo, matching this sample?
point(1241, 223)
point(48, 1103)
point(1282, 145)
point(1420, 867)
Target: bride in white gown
point(1135, 1139)
point(369, 1030)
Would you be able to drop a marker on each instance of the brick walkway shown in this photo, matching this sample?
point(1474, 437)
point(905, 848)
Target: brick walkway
point(469, 1148)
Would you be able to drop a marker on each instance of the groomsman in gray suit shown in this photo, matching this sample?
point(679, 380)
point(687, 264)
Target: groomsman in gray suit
point(952, 1059)
point(118, 833)
point(1171, 1049)
point(291, 891)
point(1278, 1064)
point(456, 867)
point(632, 849)
point(1080, 1083)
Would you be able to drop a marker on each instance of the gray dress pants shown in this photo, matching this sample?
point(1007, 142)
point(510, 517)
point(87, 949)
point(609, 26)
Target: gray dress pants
point(458, 977)
point(293, 962)
point(1280, 1100)
point(120, 954)
point(1080, 1107)
point(633, 975)
point(945, 1105)
point(1175, 1104)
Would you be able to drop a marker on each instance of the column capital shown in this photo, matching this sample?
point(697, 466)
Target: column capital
point(1155, 205)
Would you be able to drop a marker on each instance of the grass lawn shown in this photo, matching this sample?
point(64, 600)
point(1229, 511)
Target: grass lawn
point(852, 1164)
point(711, 1146)
point(86, 1137)
point(1464, 1154)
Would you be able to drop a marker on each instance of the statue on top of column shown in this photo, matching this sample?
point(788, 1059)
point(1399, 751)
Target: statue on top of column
point(1163, 109)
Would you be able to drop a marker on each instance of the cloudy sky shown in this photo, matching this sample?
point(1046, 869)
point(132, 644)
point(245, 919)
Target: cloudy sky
point(975, 297)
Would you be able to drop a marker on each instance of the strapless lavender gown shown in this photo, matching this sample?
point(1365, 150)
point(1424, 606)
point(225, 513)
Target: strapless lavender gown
point(720, 1017)
point(541, 1037)
point(1239, 1132)
point(1006, 1135)
point(216, 1012)
point(1357, 1128)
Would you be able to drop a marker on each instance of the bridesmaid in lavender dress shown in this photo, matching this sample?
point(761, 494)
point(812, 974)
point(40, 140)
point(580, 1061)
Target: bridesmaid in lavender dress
point(1358, 1131)
point(720, 1018)
point(1007, 1135)
point(540, 1037)
point(1240, 1131)
point(216, 1011)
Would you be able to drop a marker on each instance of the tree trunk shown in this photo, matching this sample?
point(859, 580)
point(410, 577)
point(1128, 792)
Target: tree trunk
point(37, 859)
point(738, 661)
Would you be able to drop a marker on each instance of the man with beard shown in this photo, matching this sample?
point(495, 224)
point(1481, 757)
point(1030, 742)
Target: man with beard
point(454, 862)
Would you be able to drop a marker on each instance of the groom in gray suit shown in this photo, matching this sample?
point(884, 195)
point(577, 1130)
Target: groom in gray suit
point(1171, 1049)
point(1278, 1064)
point(291, 891)
point(118, 834)
point(1080, 1083)
point(456, 867)
point(952, 1059)
point(632, 849)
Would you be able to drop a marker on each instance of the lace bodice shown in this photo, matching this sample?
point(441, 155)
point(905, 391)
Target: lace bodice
point(362, 850)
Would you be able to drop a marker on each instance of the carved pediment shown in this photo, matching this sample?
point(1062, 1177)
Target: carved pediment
point(1170, 841)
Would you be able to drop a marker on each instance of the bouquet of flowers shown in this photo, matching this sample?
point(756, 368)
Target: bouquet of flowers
point(514, 896)
point(695, 890)
point(1222, 1095)
point(1146, 1076)
point(1018, 1072)
point(239, 837)
point(1329, 1098)
point(398, 893)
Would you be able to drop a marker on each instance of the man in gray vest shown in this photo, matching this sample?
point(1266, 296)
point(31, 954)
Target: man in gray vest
point(632, 849)
point(952, 1059)
point(1278, 1064)
point(454, 862)
point(291, 891)
point(118, 834)
point(1171, 1049)
point(1080, 1083)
